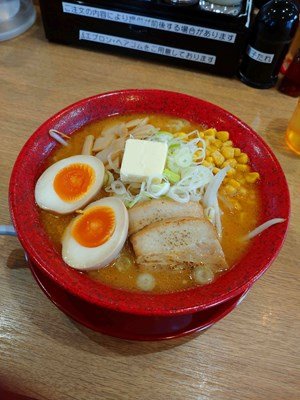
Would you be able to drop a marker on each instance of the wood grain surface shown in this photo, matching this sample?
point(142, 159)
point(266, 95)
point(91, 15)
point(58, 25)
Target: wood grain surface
point(253, 353)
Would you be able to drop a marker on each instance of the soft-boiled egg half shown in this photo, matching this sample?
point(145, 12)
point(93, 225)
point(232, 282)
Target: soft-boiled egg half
point(69, 184)
point(95, 238)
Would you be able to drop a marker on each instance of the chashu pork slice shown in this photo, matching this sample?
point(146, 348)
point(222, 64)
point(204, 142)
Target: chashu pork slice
point(147, 212)
point(179, 242)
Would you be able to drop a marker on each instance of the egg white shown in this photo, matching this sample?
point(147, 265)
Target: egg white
point(47, 198)
point(89, 258)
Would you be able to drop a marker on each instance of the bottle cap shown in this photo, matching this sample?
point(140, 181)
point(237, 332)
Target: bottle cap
point(15, 18)
point(273, 17)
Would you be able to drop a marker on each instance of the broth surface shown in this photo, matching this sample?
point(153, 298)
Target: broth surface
point(240, 215)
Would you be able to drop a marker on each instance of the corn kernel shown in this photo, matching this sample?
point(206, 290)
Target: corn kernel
point(201, 134)
point(243, 167)
point(218, 158)
point(222, 135)
point(232, 162)
point(243, 158)
point(252, 177)
point(242, 191)
point(231, 172)
point(208, 152)
point(236, 204)
point(215, 170)
point(210, 159)
point(206, 164)
point(243, 216)
point(213, 148)
point(227, 143)
point(234, 183)
point(237, 152)
point(230, 190)
point(210, 132)
point(228, 152)
point(218, 143)
point(197, 155)
point(222, 190)
point(225, 180)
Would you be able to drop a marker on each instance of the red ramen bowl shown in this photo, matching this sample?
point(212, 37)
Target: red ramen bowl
point(134, 315)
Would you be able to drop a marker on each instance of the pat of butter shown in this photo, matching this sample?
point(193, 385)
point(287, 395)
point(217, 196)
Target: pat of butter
point(143, 159)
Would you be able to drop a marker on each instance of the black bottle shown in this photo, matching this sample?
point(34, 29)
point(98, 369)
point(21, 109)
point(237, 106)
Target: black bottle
point(273, 30)
point(260, 3)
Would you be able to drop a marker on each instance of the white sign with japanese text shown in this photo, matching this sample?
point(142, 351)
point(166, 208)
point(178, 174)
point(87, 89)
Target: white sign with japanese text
point(147, 47)
point(259, 56)
point(154, 23)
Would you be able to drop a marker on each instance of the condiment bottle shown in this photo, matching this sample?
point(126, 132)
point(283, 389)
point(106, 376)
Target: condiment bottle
point(290, 83)
point(260, 3)
point(293, 131)
point(295, 43)
point(273, 30)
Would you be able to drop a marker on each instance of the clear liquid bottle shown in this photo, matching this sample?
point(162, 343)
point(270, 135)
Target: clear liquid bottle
point(16, 16)
point(293, 131)
point(272, 32)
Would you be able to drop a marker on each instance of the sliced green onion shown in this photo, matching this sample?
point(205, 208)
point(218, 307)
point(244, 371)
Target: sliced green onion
point(145, 281)
point(108, 178)
point(173, 147)
point(118, 187)
point(123, 263)
point(161, 136)
point(171, 176)
point(178, 194)
point(155, 190)
point(184, 158)
point(165, 133)
point(172, 165)
point(203, 274)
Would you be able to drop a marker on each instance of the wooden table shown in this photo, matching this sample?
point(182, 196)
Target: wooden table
point(252, 354)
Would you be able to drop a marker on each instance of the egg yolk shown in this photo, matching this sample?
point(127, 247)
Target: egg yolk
point(73, 182)
point(94, 227)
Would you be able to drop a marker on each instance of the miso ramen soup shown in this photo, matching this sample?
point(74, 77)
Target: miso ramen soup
point(238, 198)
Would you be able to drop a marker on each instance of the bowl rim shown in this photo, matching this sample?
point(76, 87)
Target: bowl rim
point(183, 302)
